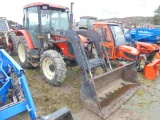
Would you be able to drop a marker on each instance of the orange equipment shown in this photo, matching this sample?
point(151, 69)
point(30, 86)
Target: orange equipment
point(152, 70)
point(147, 48)
point(118, 50)
point(114, 41)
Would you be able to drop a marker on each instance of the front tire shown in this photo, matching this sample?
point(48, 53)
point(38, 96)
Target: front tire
point(53, 67)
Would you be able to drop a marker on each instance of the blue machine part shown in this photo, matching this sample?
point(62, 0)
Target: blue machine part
point(21, 97)
point(143, 35)
point(13, 82)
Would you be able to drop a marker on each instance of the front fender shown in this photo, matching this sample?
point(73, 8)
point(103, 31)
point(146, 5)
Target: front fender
point(27, 36)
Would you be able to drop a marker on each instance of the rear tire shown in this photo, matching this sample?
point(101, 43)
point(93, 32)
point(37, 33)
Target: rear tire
point(13, 40)
point(53, 67)
point(24, 53)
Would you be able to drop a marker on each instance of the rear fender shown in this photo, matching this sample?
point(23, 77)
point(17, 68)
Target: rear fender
point(145, 48)
point(26, 34)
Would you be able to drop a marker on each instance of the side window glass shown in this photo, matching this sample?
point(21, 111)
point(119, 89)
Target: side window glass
point(99, 30)
point(33, 16)
point(106, 35)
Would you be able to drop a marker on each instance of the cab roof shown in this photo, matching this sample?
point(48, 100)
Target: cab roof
point(104, 23)
point(42, 3)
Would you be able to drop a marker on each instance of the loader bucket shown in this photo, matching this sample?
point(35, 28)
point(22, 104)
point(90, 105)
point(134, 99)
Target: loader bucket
point(106, 93)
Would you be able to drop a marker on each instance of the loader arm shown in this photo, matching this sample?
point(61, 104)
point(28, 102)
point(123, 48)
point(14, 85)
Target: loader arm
point(105, 93)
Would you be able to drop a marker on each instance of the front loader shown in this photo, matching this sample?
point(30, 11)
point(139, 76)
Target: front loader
point(106, 92)
point(15, 95)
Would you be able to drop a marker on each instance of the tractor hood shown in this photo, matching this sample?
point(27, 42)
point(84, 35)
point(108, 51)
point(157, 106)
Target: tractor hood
point(127, 52)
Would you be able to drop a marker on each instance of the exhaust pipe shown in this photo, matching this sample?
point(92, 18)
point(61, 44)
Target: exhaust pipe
point(71, 16)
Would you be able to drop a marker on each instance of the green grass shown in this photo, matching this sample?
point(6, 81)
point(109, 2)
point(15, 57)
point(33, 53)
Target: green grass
point(141, 92)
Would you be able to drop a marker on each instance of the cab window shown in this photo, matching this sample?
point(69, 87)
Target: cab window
point(104, 34)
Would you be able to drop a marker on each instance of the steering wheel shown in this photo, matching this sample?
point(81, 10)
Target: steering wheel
point(49, 30)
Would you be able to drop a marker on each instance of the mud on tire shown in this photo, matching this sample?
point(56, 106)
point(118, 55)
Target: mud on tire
point(53, 67)
point(24, 53)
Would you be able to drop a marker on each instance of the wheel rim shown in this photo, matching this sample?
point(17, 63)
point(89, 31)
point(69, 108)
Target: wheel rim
point(21, 52)
point(46, 67)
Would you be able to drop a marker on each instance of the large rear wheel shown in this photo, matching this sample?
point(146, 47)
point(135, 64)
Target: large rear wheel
point(24, 53)
point(53, 67)
point(13, 40)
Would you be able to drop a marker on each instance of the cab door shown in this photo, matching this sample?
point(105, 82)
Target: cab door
point(107, 38)
point(31, 23)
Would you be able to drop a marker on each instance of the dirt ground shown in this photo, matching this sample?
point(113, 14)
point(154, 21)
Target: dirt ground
point(144, 105)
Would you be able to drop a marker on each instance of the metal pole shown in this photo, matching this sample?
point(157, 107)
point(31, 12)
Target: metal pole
point(71, 16)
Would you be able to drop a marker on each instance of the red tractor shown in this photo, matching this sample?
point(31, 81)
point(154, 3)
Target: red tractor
point(43, 40)
point(48, 39)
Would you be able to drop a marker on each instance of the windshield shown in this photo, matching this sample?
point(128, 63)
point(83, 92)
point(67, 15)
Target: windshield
point(92, 21)
point(3, 25)
point(87, 21)
point(118, 35)
point(56, 19)
point(83, 21)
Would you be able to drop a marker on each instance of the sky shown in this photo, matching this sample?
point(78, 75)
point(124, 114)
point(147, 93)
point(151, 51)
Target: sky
point(13, 9)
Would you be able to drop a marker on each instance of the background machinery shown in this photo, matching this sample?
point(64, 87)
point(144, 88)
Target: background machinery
point(8, 39)
point(86, 22)
point(120, 51)
point(149, 35)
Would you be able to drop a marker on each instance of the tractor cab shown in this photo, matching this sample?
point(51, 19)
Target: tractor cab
point(86, 22)
point(114, 41)
point(40, 19)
